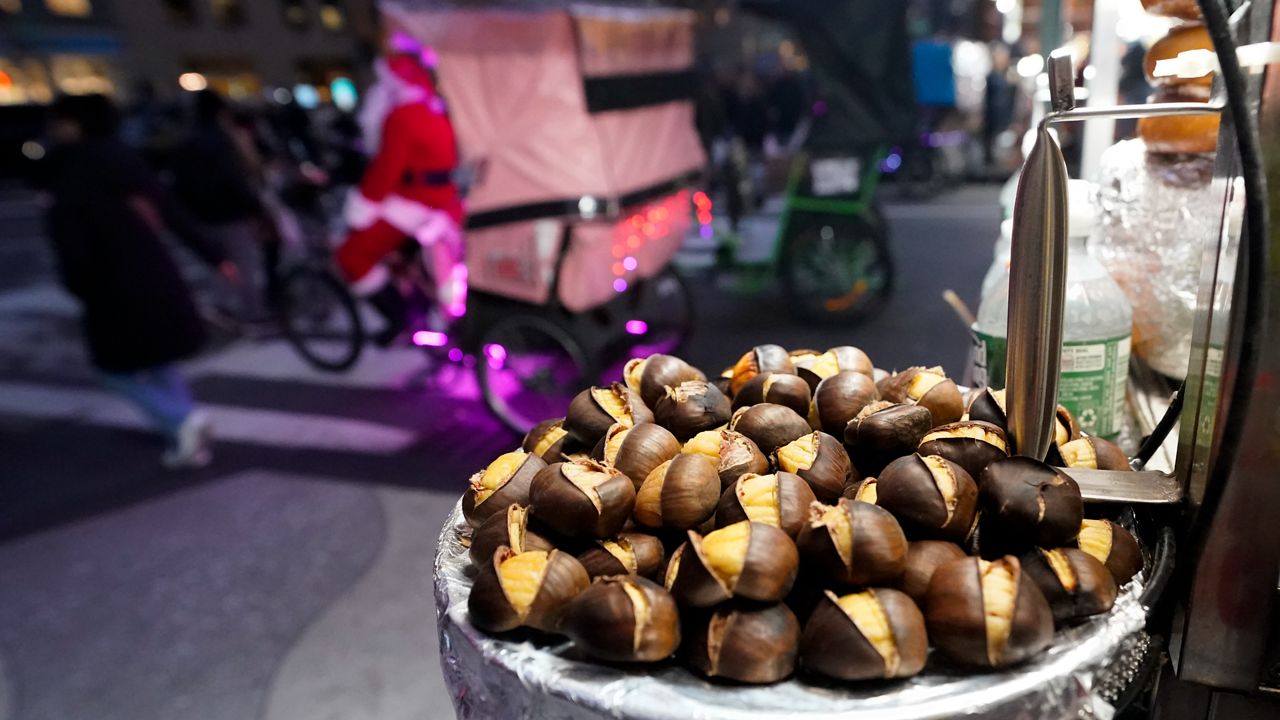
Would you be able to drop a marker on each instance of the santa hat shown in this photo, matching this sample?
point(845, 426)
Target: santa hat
point(408, 69)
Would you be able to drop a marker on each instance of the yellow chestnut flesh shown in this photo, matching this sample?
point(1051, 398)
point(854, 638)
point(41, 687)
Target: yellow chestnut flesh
point(837, 523)
point(587, 480)
point(640, 604)
point(758, 495)
point(945, 480)
point(1079, 453)
point(706, 443)
point(998, 592)
point(613, 403)
point(621, 549)
point(868, 616)
point(613, 442)
point(1061, 567)
point(725, 551)
point(498, 472)
point(923, 382)
point(549, 438)
point(867, 491)
point(798, 454)
point(521, 577)
point(972, 432)
point(1095, 539)
point(648, 509)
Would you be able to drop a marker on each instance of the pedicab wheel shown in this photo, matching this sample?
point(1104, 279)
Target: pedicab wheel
point(320, 319)
point(836, 268)
point(665, 307)
point(529, 369)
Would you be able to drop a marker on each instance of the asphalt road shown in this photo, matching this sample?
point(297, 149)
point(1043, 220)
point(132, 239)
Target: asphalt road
point(291, 579)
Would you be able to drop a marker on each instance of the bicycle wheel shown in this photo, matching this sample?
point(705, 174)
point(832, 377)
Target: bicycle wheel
point(320, 319)
point(836, 268)
point(529, 370)
point(665, 310)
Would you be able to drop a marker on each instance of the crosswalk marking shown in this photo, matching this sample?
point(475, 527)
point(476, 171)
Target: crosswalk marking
point(232, 424)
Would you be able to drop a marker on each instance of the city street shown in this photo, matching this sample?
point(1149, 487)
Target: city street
point(292, 577)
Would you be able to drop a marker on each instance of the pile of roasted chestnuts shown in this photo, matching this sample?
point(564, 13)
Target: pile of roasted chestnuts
point(801, 510)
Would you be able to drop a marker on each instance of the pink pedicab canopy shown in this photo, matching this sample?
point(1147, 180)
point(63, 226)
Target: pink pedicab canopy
point(567, 114)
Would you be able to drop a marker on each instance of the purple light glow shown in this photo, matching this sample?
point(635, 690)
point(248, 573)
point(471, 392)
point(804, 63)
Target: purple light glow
point(494, 351)
point(706, 232)
point(455, 354)
point(619, 285)
point(430, 338)
point(637, 327)
point(629, 263)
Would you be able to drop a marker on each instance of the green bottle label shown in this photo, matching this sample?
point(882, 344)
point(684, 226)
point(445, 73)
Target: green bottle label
point(1092, 384)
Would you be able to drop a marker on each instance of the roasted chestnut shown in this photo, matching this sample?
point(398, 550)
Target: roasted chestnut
point(623, 619)
point(883, 432)
point(1024, 503)
point(636, 451)
point(866, 491)
point(760, 359)
point(629, 553)
point(1073, 581)
point(932, 497)
point(819, 460)
point(769, 426)
point(593, 410)
point(505, 481)
point(679, 494)
point(508, 528)
point(989, 405)
point(1113, 546)
point(548, 440)
point(527, 589)
point(923, 558)
point(748, 560)
point(816, 367)
point(781, 500)
point(838, 399)
point(651, 376)
point(691, 407)
point(745, 643)
point(929, 388)
point(724, 382)
point(971, 444)
point(1093, 453)
point(777, 388)
point(734, 454)
point(986, 613)
point(875, 634)
point(582, 498)
point(853, 543)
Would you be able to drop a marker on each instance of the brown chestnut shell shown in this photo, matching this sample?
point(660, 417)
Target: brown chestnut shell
point(777, 388)
point(642, 554)
point(792, 496)
point(838, 399)
point(491, 610)
point(691, 407)
point(884, 432)
point(549, 440)
point(508, 528)
point(769, 569)
point(820, 460)
point(569, 510)
point(651, 376)
point(769, 426)
point(924, 557)
point(956, 616)
point(1093, 453)
point(832, 643)
point(739, 456)
point(602, 621)
point(757, 360)
point(815, 367)
point(1112, 545)
point(639, 450)
point(942, 399)
point(514, 490)
point(679, 494)
point(971, 444)
point(587, 420)
point(1073, 581)
point(745, 643)
point(879, 547)
point(914, 489)
point(1024, 503)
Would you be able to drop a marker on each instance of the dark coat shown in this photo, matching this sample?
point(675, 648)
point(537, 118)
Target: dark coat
point(138, 311)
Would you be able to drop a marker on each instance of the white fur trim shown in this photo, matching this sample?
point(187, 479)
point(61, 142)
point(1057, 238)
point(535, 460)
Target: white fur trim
point(437, 227)
point(406, 215)
point(360, 212)
point(372, 281)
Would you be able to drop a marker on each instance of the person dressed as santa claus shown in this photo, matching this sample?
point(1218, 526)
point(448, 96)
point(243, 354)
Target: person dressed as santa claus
point(406, 192)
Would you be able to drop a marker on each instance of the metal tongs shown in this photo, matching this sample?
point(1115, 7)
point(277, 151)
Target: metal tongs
point(1037, 291)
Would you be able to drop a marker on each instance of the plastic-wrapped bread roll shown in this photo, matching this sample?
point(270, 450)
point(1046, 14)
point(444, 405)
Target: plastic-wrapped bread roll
point(1182, 9)
point(1192, 36)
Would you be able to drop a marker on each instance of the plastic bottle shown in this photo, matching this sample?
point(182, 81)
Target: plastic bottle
point(1097, 326)
point(999, 270)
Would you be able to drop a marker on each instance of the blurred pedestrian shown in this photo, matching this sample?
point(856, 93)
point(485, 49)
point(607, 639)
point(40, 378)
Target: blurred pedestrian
point(106, 220)
point(214, 179)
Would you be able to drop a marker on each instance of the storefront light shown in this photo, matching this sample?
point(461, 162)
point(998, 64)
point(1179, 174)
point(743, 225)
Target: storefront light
point(192, 81)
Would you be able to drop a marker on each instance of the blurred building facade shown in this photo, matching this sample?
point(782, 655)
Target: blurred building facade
point(240, 47)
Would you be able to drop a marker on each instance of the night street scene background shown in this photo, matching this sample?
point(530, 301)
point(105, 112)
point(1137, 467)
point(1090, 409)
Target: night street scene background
point(200, 520)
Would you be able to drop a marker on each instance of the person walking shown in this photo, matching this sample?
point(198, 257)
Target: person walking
point(105, 221)
point(214, 180)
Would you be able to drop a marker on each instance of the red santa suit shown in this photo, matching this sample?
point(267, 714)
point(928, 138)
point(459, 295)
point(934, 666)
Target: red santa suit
point(407, 190)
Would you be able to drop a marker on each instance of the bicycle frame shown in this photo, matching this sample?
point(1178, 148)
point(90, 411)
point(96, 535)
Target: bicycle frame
point(795, 202)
